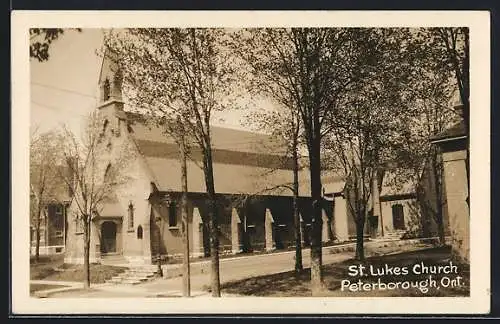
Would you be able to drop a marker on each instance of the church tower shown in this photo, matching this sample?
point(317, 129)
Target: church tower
point(110, 105)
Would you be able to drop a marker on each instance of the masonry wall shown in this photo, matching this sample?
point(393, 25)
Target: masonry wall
point(455, 178)
point(134, 189)
point(410, 212)
point(251, 230)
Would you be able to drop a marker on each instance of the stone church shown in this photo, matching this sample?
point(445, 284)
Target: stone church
point(140, 222)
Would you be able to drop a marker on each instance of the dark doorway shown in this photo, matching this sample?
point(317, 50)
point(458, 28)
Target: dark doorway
point(108, 237)
point(398, 219)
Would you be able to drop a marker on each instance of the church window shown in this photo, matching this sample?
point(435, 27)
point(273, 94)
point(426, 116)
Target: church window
point(78, 224)
point(139, 232)
point(107, 173)
point(130, 215)
point(104, 126)
point(106, 90)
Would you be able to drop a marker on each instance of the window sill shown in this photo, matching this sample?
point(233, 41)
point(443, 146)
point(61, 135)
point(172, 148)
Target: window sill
point(79, 233)
point(175, 228)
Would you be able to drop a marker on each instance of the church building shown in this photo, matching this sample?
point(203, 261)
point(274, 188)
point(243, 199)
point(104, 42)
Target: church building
point(140, 221)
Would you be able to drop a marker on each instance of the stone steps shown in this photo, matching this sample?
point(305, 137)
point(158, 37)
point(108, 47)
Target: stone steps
point(135, 275)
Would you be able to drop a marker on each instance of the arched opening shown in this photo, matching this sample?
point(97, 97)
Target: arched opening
point(139, 232)
point(107, 173)
point(130, 215)
point(398, 219)
point(106, 90)
point(108, 237)
point(104, 126)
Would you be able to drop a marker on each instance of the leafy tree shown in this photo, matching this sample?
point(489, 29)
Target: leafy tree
point(187, 74)
point(307, 70)
point(284, 126)
point(366, 127)
point(45, 162)
point(91, 180)
point(419, 162)
point(41, 39)
point(448, 51)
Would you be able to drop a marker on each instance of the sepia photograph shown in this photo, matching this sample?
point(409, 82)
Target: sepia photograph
point(235, 161)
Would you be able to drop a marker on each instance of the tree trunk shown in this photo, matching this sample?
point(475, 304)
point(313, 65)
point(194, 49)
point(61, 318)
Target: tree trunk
point(86, 253)
point(186, 275)
point(317, 221)
point(296, 215)
point(214, 226)
point(439, 196)
point(360, 229)
point(37, 234)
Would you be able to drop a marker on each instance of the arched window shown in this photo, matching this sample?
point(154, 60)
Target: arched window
point(105, 125)
point(106, 90)
point(107, 173)
point(139, 232)
point(130, 215)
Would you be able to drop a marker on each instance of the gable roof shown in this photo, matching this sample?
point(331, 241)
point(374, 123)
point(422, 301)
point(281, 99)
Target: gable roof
point(222, 138)
point(110, 208)
point(244, 162)
point(392, 187)
point(454, 132)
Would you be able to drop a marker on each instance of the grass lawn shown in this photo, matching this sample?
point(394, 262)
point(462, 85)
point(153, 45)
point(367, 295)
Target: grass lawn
point(54, 268)
point(287, 284)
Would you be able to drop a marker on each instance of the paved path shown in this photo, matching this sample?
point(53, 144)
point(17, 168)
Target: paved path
point(230, 270)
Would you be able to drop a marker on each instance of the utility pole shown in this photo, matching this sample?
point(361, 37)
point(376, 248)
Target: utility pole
point(186, 275)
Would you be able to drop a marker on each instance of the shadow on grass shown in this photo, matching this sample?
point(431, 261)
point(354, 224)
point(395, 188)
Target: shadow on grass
point(73, 272)
point(289, 284)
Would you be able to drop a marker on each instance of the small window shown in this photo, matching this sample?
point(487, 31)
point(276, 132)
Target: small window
point(105, 126)
point(172, 215)
point(139, 232)
point(130, 215)
point(78, 225)
point(107, 173)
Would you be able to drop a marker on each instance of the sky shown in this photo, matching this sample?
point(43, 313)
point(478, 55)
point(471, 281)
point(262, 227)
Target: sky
point(64, 89)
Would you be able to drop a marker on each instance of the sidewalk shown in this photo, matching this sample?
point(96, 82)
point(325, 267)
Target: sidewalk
point(231, 269)
point(65, 286)
point(197, 267)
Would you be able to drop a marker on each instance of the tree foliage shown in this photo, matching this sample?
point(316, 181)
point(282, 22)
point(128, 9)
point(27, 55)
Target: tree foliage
point(185, 74)
point(41, 39)
point(45, 164)
point(307, 70)
point(95, 172)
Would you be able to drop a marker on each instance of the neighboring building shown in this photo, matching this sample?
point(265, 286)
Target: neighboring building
point(393, 210)
point(453, 145)
point(53, 221)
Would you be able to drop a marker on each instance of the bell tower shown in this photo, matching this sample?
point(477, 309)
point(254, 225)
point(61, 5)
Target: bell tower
point(110, 101)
